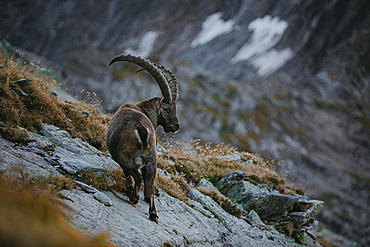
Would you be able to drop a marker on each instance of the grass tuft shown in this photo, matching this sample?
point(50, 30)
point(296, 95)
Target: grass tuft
point(30, 216)
point(26, 101)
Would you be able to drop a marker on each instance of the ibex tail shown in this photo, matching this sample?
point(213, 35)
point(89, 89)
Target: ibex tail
point(143, 135)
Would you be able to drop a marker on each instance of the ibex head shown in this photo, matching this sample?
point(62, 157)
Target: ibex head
point(167, 110)
point(167, 117)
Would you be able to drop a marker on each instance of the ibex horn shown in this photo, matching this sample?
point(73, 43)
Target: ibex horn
point(172, 82)
point(152, 69)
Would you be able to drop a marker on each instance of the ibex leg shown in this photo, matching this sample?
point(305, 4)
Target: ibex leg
point(149, 174)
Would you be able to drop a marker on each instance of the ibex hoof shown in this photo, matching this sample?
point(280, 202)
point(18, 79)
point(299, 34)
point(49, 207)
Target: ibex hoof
point(154, 217)
point(134, 201)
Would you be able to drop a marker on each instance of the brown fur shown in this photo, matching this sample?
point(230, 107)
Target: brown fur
point(135, 153)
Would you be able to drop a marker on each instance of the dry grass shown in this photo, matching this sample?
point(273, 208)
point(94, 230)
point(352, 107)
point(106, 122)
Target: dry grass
point(29, 104)
point(324, 242)
point(111, 179)
point(174, 187)
point(30, 216)
point(194, 161)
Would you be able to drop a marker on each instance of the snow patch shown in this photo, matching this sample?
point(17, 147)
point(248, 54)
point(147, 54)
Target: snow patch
point(213, 27)
point(267, 63)
point(146, 45)
point(267, 32)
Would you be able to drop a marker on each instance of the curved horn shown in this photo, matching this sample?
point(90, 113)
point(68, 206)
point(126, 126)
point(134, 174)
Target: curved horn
point(152, 69)
point(172, 81)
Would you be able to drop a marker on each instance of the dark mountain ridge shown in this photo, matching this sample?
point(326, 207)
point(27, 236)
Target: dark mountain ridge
point(287, 79)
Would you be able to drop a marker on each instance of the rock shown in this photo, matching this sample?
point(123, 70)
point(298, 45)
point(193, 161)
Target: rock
point(42, 142)
point(23, 157)
point(72, 154)
point(160, 149)
point(230, 157)
point(23, 82)
point(200, 208)
point(86, 187)
point(32, 144)
point(85, 113)
point(101, 197)
point(271, 206)
point(302, 217)
point(235, 185)
point(247, 162)
point(178, 223)
point(22, 92)
point(253, 217)
point(205, 184)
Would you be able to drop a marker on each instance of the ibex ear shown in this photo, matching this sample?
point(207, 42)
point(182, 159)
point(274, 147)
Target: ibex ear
point(162, 101)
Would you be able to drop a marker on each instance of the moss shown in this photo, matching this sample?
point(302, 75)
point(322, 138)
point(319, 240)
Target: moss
point(318, 103)
point(232, 88)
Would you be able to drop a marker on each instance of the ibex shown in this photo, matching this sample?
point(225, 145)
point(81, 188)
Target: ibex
point(132, 138)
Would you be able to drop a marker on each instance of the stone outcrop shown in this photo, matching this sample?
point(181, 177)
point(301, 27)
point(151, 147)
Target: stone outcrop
point(290, 214)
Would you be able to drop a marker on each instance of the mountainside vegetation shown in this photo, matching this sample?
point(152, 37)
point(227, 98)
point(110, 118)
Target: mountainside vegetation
point(29, 99)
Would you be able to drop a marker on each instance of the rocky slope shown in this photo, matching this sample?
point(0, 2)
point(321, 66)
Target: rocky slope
point(288, 79)
point(201, 222)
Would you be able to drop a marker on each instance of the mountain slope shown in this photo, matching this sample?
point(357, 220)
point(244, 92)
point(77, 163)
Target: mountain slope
point(287, 79)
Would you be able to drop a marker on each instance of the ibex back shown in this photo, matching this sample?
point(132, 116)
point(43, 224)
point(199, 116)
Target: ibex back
point(131, 137)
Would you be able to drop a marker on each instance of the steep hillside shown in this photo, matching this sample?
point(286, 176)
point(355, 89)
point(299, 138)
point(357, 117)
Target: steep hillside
point(76, 187)
point(287, 79)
